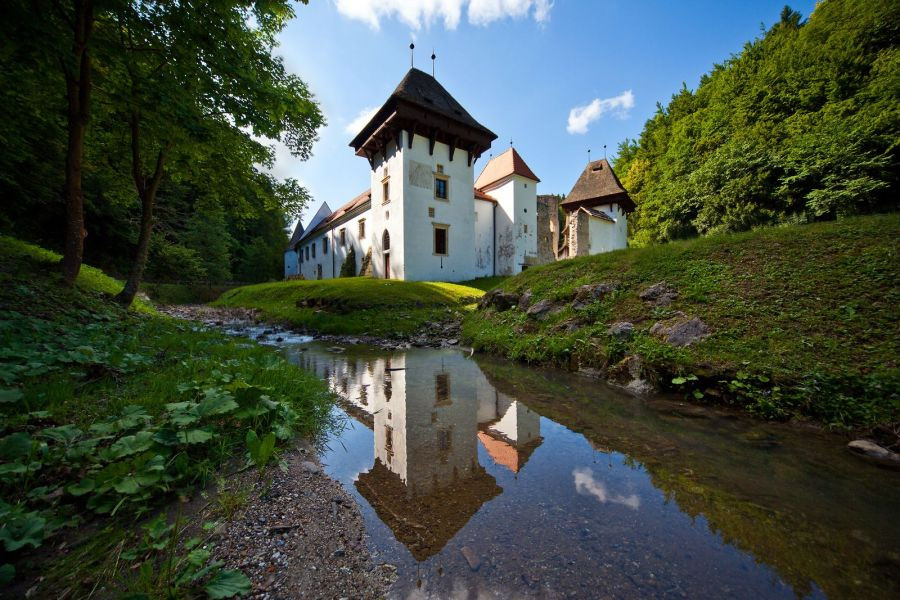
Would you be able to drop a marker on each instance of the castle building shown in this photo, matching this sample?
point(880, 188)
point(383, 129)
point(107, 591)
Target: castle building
point(425, 217)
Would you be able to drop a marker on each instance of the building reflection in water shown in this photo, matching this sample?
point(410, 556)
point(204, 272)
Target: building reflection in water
point(428, 411)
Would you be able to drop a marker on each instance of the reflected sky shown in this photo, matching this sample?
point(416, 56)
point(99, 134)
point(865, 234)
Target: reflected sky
point(471, 492)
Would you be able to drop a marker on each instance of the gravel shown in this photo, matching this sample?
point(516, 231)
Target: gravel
point(300, 535)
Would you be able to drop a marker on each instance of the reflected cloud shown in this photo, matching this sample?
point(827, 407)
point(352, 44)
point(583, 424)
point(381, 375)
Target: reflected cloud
point(586, 484)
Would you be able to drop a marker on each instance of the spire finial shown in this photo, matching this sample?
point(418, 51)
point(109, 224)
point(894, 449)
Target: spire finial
point(589, 156)
point(432, 61)
point(604, 151)
point(412, 47)
point(510, 143)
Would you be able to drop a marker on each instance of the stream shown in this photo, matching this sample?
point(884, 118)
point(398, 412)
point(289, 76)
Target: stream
point(483, 478)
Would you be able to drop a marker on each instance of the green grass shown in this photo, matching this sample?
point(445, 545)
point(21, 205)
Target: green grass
point(357, 305)
point(183, 293)
point(106, 415)
point(804, 318)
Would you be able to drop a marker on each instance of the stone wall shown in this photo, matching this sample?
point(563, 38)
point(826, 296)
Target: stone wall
point(547, 228)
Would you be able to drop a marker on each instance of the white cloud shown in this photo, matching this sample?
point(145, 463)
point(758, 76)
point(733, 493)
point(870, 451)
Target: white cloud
point(364, 116)
point(586, 484)
point(582, 116)
point(419, 13)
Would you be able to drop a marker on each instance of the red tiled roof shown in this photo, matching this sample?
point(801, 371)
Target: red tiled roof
point(479, 195)
point(504, 165)
point(340, 212)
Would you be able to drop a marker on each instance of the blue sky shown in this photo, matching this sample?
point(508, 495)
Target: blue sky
point(519, 67)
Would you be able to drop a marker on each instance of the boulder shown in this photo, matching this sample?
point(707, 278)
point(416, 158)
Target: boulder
point(621, 330)
point(683, 332)
point(498, 299)
point(629, 373)
point(525, 300)
point(587, 294)
point(659, 294)
point(872, 451)
point(541, 309)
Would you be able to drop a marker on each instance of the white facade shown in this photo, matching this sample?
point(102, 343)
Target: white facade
point(606, 236)
point(516, 223)
point(291, 263)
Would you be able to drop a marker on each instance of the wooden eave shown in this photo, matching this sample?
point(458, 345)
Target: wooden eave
point(623, 200)
point(405, 116)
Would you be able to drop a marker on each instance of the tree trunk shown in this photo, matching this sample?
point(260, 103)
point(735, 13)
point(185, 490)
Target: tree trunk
point(78, 95)
point(147, 193)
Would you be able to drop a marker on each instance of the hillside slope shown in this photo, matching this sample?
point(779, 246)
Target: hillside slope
point(792, 320)
point(106, 415)
point(355, 305)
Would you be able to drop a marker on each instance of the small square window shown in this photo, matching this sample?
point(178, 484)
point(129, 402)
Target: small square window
point(385, 192)
point(440, 168)
point(362, 229)
point(431, 211)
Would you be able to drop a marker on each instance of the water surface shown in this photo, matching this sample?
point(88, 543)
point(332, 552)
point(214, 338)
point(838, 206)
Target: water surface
point(480, 478)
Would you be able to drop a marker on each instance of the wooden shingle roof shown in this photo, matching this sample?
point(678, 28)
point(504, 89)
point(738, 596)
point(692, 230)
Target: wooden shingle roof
point(598, 185)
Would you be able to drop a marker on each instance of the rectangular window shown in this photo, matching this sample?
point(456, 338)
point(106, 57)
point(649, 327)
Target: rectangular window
point(324, 246)
point(313, 249)
point(440, 187)
point(526, 227)
point(385, 191)
point(362, 229)
point(431, 211)
point(441, 389)
point(440, 240)
point(307, 252)
point(343, 236)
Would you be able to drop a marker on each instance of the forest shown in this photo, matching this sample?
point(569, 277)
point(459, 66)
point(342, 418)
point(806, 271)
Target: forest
point(802, 125)
point(137, 136)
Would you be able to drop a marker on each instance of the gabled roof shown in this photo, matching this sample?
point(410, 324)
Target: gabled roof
point(333, 218)
point(295, 237)
point(598, 185)
point(504, 165)
point(320, 216)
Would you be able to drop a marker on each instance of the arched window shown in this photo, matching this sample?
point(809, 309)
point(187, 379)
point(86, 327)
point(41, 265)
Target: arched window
point(386, 241)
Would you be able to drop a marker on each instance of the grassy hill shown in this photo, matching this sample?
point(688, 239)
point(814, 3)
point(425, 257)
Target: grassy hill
point(355, 305)
point(106, 415)
point(802, 319)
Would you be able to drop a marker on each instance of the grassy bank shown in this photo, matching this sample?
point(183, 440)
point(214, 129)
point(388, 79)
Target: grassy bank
point(184, 293)
point(107, 415)
point(803, 319)
point(358, 305)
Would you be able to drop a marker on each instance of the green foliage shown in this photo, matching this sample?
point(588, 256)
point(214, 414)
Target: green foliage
point(348, 269)
point(259, 449)
point(799, 126)
point(108, 413)
point(802, 318)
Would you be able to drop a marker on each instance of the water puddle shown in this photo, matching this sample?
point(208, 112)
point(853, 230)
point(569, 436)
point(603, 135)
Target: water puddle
point(481, 478)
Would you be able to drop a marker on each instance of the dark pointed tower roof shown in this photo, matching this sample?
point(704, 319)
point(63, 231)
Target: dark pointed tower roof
point(295, 237)
point(420, 104)
point(598, 185)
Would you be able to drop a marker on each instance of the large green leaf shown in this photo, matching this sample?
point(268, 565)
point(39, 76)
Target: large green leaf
point(227, 584)
point(9, 396)
point(22, 530)
point(216, 402)
point(131, 444)
point(195, 436)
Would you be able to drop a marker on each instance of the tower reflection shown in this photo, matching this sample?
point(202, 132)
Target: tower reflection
point(428, 412)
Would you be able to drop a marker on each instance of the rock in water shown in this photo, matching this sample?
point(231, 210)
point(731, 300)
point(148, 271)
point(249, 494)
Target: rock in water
point(471, 558)
point(872, 451)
